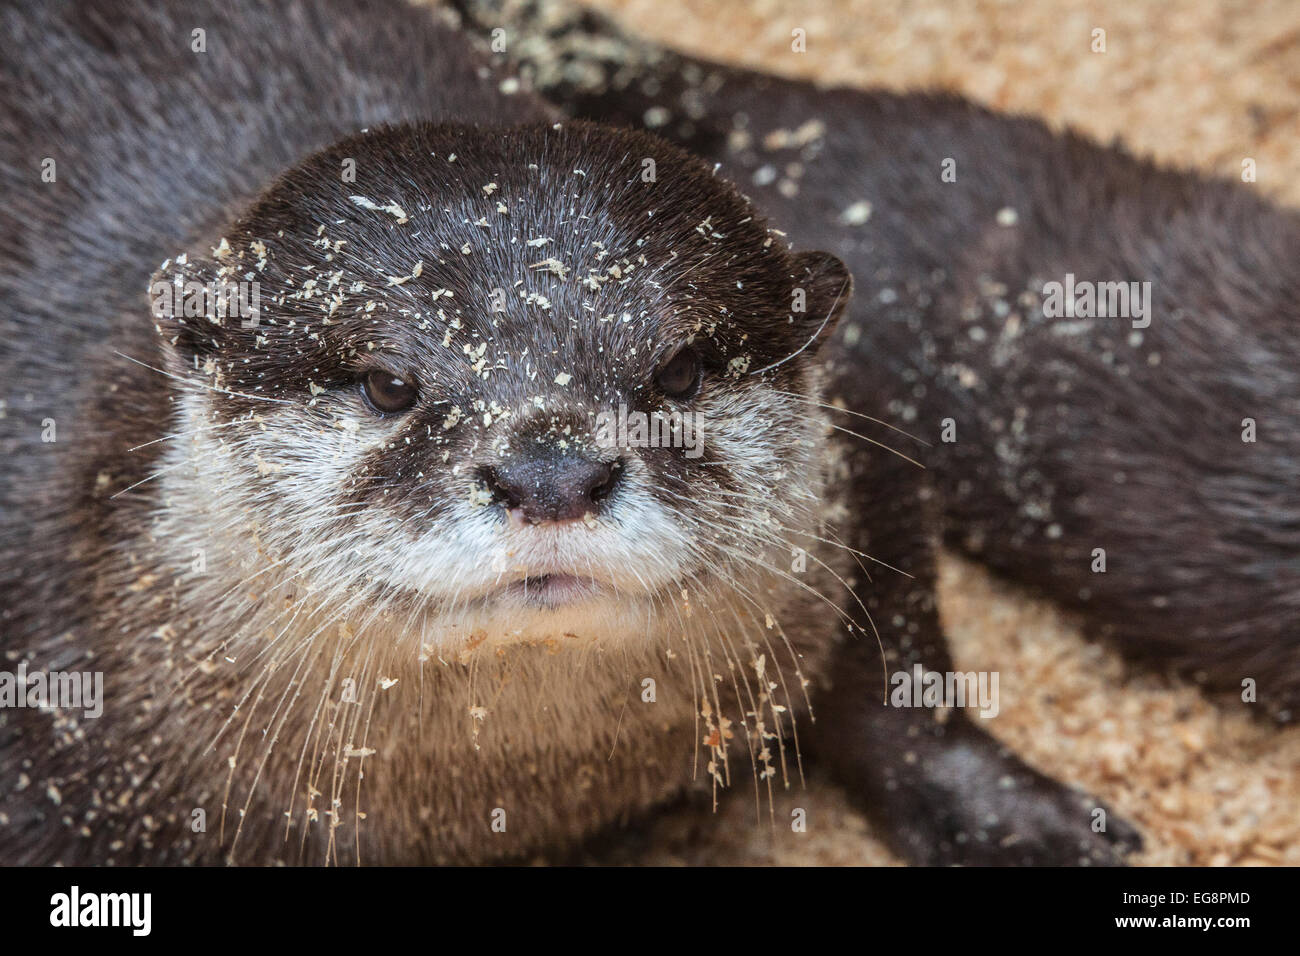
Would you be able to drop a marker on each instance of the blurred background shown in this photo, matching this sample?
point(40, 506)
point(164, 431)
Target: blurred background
point(1201, 84)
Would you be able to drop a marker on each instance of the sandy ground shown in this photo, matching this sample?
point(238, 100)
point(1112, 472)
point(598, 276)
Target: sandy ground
point(1202, 84)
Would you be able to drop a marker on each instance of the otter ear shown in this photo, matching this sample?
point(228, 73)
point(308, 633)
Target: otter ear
point(198, 306)
point(820, 293)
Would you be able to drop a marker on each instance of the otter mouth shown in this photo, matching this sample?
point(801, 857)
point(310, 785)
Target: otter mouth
point(550, 590)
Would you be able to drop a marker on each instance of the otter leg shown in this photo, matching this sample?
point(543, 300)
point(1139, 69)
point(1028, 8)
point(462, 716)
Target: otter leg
point(941, 789)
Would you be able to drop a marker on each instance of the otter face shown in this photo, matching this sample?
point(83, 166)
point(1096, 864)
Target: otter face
point(530, 380)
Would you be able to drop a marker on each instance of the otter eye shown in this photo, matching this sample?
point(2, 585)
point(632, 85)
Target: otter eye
point(388, 392)
point(679, 377)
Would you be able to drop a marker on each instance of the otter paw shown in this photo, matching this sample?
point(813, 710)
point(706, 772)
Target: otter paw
point(976, 805)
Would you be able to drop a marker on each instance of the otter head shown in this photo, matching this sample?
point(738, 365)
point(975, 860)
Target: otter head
point(517, 382)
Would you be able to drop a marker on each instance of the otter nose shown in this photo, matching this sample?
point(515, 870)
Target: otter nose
point(552, 489)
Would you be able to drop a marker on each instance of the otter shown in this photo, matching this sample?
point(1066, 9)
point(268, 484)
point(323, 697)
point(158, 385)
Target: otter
point(365, 577)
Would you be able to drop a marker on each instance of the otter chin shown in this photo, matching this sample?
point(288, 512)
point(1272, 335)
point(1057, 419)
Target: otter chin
point(552, 590)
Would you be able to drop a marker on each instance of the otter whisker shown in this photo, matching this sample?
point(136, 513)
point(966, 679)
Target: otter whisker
point(190, 383)
point(830, 406)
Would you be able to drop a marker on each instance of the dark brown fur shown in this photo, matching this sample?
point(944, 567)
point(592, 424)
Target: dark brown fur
point(927, 267)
